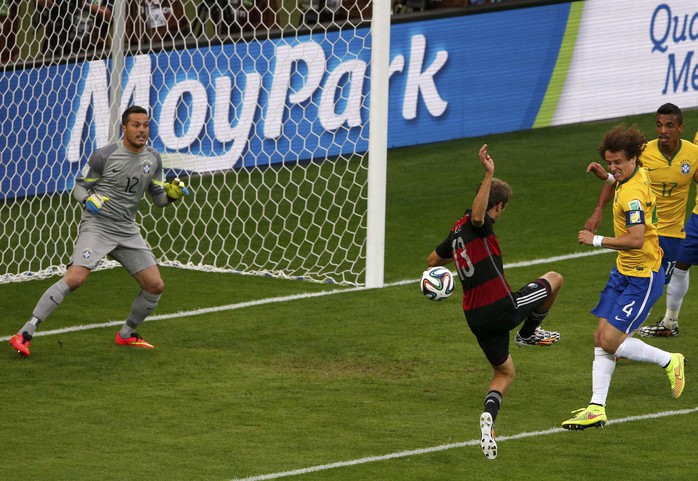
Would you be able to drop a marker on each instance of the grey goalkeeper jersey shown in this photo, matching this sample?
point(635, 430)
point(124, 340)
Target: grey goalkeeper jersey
point(123, 177)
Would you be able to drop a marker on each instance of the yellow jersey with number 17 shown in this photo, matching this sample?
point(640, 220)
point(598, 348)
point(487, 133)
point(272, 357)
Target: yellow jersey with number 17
point(670, 179)
point(634, 204)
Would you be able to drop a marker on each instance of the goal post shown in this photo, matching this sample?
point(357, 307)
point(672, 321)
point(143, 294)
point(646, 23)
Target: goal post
point(118, 39)
point(378, 143)
point(278, 131)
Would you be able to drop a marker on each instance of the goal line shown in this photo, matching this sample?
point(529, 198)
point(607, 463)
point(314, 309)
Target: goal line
point(273, 300)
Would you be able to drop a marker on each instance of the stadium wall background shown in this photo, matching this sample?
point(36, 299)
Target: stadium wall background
point(455, 74)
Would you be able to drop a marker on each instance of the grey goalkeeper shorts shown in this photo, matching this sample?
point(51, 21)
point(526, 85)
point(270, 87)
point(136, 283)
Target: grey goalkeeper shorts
point(94, 244)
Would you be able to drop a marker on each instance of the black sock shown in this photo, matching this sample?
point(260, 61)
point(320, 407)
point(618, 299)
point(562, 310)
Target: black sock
point(493, 402)
point(532, 321)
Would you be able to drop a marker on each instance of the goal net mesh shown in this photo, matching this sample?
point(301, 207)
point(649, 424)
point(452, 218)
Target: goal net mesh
point(260, 107)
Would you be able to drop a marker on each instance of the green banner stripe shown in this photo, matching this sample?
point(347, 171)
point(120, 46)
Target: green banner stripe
point(564, 58)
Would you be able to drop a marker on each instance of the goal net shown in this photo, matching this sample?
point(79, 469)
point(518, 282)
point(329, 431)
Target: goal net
point(261, 106)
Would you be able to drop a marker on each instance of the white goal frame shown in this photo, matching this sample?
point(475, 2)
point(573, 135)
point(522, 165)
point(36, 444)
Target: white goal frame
point(39, 244)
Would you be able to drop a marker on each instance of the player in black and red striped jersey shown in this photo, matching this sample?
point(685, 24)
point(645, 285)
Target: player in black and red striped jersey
point(491, 308)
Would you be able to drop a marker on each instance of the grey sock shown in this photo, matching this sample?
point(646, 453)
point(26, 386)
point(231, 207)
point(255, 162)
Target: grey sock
point(48, 303)
point(31, 325)
point(142, 306)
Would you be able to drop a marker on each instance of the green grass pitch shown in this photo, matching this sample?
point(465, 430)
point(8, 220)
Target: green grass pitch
point(352, 384)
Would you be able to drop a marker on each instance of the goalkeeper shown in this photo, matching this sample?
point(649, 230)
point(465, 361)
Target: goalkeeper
point(110, 188)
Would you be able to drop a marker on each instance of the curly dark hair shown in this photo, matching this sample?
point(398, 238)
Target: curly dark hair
point(626, 139)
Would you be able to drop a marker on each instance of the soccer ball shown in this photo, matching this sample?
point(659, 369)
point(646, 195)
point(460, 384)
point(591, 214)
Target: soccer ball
point(437, 283)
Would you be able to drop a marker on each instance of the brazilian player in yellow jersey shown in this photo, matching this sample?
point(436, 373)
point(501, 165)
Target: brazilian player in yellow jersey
point(634, 204)
point(671, 177)
point(686, 257)
point(672, 164)
point(635, 282)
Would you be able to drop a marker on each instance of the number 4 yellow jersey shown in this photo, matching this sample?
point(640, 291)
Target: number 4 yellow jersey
point(670, 181)
point(634, 204)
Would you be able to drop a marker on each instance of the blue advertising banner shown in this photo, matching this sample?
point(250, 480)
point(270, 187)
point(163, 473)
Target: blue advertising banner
point(243, 105)
point(473, 75)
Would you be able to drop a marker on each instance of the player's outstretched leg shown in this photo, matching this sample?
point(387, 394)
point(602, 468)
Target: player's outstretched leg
point(487, 442)
point(142, 306)
point(49, 301)
point(593, 416)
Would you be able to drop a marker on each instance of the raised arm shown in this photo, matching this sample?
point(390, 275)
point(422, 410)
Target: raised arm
point(483, 195)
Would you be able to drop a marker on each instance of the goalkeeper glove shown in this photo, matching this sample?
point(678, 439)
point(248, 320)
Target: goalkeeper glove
point(176, 189)
point(94, 203)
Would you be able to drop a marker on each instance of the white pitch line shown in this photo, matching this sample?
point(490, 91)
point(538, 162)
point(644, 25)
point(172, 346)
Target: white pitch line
point(444, 447)
point(534, 262)
point(195, 312)
point(272, 300)
point(565, 257)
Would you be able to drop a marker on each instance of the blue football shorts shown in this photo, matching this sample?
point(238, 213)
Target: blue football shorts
point(670, 246)
point(626, 301)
